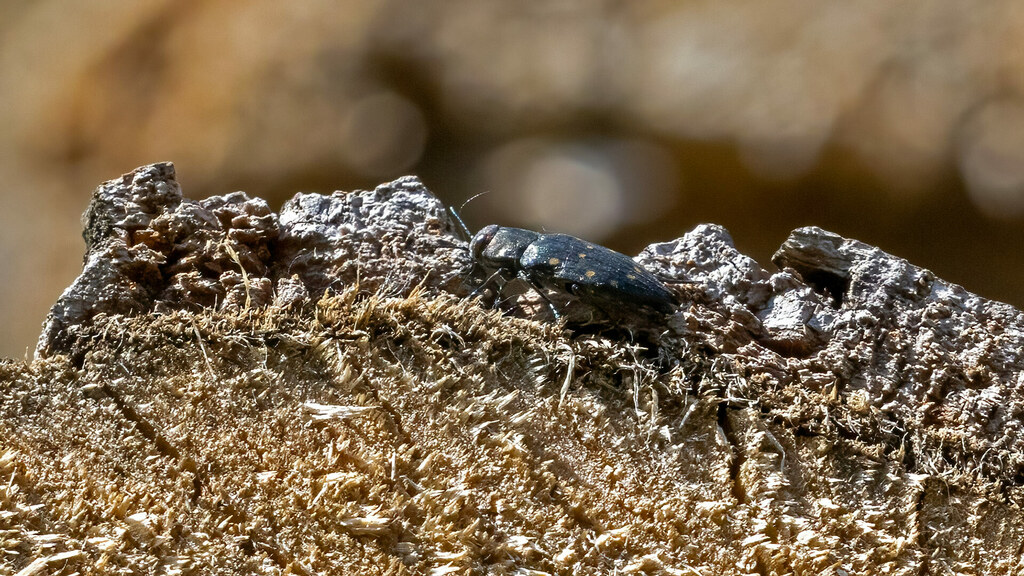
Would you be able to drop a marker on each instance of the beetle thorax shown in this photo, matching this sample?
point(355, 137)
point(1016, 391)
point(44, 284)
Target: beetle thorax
point(496, 247)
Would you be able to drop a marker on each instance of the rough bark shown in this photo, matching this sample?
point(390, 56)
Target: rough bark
point(225, 389)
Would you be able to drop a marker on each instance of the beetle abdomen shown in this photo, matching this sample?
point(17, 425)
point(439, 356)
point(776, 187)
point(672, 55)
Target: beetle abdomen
point(594, 274)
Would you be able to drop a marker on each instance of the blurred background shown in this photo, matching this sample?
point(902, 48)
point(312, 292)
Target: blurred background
point(624, 122)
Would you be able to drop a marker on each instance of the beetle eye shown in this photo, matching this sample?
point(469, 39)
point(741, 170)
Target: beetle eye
point(481, 239)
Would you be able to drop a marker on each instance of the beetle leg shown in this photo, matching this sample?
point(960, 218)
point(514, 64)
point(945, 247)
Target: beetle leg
point(485, 284)
point(540, 290)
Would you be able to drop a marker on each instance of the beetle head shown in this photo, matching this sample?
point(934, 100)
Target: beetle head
point(481, 240)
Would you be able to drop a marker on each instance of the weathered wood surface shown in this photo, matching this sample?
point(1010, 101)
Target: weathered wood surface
point(196, 406)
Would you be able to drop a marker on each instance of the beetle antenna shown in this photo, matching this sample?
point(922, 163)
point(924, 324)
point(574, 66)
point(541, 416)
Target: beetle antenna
point(458, 218)
point(465, 229)
point(471, 198)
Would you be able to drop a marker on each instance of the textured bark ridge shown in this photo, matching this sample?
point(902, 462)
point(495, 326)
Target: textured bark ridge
point(228, 389)
point(944, 367)
point(148, 249)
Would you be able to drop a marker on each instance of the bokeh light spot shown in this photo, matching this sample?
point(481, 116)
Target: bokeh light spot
point(991, 158)
point(587, 188)
point(383, 134)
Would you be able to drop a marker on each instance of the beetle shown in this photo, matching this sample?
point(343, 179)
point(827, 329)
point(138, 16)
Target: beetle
point(611, 285)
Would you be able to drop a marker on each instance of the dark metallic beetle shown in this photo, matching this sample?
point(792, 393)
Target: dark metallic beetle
point(613, 286)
